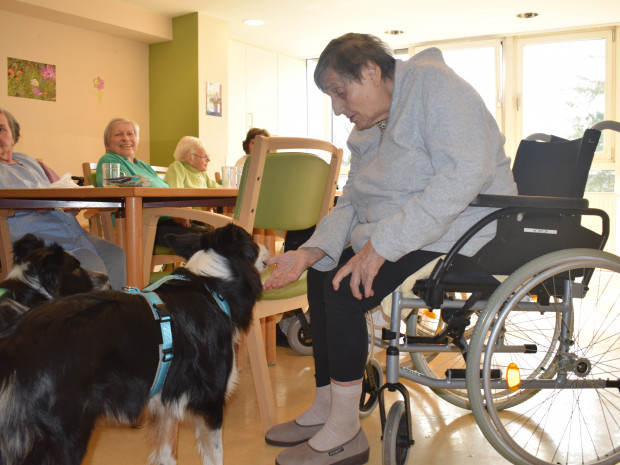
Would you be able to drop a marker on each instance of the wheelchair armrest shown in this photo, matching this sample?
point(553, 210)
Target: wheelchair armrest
point(529, 201)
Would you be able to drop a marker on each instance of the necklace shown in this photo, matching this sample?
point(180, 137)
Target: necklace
point(381, 125)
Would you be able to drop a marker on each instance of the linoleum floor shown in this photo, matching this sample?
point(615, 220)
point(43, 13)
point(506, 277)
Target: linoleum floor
point(444, 434)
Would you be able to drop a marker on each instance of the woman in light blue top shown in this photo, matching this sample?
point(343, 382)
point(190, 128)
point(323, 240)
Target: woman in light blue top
point(21, 171)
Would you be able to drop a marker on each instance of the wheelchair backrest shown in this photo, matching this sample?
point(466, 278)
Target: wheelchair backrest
point(558, 168)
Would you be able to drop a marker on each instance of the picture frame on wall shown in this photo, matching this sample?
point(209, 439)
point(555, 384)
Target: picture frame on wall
point(214, 99)
point(30, 79)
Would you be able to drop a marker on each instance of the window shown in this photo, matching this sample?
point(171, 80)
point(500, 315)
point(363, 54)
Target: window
point(563, 85)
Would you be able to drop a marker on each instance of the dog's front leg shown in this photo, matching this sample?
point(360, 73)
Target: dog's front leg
point(209, 442)
point(166, 430)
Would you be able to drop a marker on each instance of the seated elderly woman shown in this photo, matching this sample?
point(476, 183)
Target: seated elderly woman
point(248, 144)
point(21, 171)
point(190, 166)
point(121, 138)
point(189, 170)
point(423, 147)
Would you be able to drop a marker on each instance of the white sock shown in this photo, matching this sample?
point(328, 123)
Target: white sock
point(343, 421)
point(317, 414)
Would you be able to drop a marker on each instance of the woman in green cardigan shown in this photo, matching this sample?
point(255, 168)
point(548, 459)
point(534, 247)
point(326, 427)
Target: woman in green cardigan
point(121, 137)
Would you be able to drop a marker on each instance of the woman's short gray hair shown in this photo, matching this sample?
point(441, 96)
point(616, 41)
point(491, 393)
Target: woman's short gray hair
point(347, 54)
point(186, 147)
point(13, 124)
point(115, 121)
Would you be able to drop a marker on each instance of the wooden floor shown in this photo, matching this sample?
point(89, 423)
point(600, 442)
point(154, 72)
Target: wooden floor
point(444, 434)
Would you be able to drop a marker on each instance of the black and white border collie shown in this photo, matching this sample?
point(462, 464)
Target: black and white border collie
point(42, 273)
point(97, 354)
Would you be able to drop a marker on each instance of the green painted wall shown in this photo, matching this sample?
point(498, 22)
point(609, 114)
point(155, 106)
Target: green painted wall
point(173, 89)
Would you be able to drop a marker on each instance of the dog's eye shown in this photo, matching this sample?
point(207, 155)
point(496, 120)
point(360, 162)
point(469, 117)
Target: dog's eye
point(76, 271)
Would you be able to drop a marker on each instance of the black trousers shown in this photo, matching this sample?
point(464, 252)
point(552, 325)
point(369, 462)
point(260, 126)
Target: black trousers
point(167, 226)
point(339, 331)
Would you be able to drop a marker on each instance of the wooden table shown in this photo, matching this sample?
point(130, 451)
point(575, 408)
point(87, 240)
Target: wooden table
point(129, 200)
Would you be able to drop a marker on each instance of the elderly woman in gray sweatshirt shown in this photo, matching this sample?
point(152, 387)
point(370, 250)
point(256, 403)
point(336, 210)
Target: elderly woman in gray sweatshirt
point(423, 147)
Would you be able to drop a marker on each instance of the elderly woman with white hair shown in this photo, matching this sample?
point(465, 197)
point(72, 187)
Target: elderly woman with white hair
point(190, 166)
point(189, 169)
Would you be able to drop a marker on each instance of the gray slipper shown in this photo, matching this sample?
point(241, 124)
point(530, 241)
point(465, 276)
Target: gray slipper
point(354, 452)
point(290, 434)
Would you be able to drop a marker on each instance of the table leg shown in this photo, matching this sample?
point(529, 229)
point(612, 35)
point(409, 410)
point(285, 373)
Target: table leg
point(133, 240)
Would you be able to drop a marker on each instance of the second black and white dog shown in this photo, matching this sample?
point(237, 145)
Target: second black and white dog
point(42, 273)
point(102, 354)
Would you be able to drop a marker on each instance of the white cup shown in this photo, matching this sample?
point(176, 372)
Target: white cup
point(110, 171)
point(229, 177)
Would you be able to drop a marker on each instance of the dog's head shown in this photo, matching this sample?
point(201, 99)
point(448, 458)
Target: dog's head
point(220, 253)
point(51, 270)
point(230, 262)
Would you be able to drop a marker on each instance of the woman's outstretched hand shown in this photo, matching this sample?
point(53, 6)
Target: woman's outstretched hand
point(289, 266)
point(363, 267)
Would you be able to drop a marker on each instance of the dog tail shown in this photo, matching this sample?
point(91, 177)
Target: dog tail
point(16, 438)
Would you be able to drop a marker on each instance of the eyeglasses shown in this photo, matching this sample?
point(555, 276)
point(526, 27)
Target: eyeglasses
point(206, 157)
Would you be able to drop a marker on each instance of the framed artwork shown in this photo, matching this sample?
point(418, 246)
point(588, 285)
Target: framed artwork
point(214, 99)
point(29, 79)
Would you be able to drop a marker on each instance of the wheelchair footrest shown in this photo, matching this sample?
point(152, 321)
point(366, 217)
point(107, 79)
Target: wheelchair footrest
point(459, 373)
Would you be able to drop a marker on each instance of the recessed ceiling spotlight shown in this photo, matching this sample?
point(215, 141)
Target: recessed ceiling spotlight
point(394, 32)
point(253, 22)
point(527, 15)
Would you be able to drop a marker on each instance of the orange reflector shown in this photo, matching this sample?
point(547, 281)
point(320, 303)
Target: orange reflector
point(513, 377)
point(429, 313)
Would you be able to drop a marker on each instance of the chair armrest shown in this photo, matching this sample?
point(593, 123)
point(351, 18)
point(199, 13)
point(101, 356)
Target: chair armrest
point(529, 201)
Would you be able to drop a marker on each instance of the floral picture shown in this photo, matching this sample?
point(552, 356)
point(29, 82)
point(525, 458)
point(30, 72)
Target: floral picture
point(214, 99)
point(29, 79)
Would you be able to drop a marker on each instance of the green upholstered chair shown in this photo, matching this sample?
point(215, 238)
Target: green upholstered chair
point(296, 190)
point(283, 187)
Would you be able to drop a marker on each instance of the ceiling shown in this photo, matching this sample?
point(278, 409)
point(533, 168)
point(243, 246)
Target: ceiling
point(303, 28)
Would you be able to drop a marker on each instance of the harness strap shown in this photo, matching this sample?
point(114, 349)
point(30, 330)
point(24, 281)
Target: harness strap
point(162, 316)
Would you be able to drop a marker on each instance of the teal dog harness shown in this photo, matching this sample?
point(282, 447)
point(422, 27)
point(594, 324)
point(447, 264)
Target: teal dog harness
point(162, 316)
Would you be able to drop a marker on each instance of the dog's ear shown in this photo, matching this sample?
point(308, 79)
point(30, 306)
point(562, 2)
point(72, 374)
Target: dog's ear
point(184, 245)
point(22, 248)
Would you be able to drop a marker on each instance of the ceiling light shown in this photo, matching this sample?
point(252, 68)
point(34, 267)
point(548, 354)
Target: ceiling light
point(394, 32)
point(253, 22)
point(527, 15)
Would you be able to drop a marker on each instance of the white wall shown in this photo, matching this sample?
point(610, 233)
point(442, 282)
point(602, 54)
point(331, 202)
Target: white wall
point(266, 90)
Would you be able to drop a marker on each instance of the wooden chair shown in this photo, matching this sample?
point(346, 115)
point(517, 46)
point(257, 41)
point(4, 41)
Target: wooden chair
point(288, 190)
point(6, 248)
point(102, 225)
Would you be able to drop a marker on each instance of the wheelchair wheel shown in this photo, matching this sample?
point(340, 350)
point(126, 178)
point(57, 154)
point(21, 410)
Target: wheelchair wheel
point(297, 338)
point(557, 319)
point(373, 380)
point(433, 364)
point(395, 440)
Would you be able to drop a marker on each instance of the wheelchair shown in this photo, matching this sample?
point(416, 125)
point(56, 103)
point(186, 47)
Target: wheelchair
point(525, 333)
